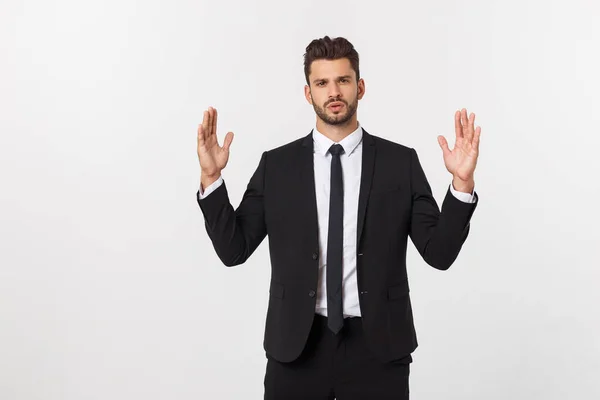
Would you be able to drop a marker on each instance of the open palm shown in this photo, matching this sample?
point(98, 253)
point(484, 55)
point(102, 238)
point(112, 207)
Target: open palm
point(462, 160)
point(213, 158)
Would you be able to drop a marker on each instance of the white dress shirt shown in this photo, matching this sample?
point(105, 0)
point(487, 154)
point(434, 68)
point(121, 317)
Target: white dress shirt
point(351, 161)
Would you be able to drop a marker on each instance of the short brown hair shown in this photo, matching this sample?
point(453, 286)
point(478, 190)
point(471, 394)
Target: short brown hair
point(330, 49)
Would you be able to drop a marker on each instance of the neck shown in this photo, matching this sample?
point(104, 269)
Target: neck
point(337, 132)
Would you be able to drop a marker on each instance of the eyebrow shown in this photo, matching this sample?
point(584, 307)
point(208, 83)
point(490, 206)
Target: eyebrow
point(327, 80)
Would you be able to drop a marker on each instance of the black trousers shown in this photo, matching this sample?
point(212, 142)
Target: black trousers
point(337, 367)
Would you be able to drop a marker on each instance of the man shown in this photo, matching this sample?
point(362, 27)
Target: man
point(338, 206)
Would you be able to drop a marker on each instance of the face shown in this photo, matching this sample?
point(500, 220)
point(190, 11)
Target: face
point(334, 91)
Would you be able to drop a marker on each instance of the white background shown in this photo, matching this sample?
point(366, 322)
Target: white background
point(109, 285)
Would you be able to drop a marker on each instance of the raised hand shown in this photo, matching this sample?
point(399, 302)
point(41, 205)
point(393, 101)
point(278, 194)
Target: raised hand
point(462, 160)
point(213, 158)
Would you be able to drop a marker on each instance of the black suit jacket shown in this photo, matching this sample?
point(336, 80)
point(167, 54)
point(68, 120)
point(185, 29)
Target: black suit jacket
point(395, 202)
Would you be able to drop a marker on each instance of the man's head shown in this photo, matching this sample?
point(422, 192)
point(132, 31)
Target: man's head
point(333, 80)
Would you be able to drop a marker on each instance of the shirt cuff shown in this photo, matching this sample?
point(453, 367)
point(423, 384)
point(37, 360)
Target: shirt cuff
point(462, 196)
point(211, 188)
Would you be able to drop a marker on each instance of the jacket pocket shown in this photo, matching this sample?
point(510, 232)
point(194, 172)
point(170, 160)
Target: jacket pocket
point(398, 291)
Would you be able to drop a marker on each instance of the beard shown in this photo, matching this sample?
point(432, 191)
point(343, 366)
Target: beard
point(339, 118)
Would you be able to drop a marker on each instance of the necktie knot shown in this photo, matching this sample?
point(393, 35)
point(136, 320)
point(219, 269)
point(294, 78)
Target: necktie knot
point(336, 149)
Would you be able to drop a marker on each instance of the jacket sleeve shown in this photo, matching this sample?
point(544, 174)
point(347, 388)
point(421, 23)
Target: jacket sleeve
point(438, 236)
point(235, 234)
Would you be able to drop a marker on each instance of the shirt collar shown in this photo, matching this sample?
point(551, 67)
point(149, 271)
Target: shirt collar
point(322, 143)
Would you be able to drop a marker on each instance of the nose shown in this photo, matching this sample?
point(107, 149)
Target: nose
point(334, 90)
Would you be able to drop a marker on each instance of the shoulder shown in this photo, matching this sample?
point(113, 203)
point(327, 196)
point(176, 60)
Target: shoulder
point(387, 146)
point(289, 152)
point(288, 147)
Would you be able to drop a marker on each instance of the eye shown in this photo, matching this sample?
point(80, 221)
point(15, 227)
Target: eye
point(320, 83)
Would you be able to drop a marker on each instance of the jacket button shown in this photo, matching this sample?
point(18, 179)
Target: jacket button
point(315, 256)
point(312, 293)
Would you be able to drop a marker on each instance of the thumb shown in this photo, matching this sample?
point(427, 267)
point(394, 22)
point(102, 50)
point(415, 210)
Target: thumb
point(444, 145)
point(227, 141)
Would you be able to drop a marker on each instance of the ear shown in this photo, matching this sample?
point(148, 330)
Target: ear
point(307, 94)
point(361, 88)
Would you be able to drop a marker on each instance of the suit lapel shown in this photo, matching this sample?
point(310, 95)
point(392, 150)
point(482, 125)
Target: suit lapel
point(307, 186)
point(368, 167)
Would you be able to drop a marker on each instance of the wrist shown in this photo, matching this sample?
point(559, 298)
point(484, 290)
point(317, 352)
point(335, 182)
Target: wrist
point(206, 180)
point(465, 186)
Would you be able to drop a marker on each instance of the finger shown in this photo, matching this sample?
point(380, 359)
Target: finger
point(210, 122)
point(227, 141)
point(464, 120)
point(457, 125)
point(214, 120)
point(471, 123)
point(444, 145)
point(200, 135)
point(476, 137)
point(205, 129)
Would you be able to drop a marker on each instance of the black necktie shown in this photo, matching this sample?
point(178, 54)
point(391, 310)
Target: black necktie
point(335, 242)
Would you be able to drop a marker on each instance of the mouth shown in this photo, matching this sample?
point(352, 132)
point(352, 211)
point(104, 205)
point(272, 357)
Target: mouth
point(336, 106)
